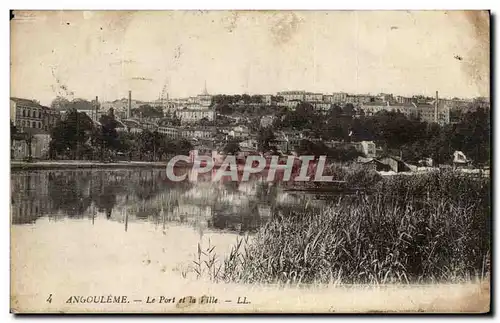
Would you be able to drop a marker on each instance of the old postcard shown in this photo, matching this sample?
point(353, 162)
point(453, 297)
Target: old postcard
point(250, 162)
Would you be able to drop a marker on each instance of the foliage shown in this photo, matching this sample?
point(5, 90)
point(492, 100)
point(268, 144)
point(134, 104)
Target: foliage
point(265, 139)
point(70, 136)
point(63, 104)
point(341, 153)
point(232, 148)
point(147, 111)
point(424, 229)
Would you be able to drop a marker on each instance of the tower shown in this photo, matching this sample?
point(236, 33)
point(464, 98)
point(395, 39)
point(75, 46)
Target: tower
point(129, 104)
point(205, 92)
point(96, 115)
point(436, 102)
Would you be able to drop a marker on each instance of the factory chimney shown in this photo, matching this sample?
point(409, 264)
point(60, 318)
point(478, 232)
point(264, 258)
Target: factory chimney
point(436, 107)
point(96, 117)
point(129, 104)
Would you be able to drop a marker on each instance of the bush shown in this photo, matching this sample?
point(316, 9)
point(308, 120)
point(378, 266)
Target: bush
point(420, 229)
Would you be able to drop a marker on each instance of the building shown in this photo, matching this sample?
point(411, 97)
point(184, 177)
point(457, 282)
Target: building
point(267, 121)
point(368, 148)
point(428, 113)
point(321, 107)
point(169, 131)
point(403, 100)
point(198, 133)
point(358, 99)
point(459, 159)
point(371, 108)
point(339, 97)
point(267, 99)
point(26, 113)
point(194, 115)
point(50, 118)
point(132, 126)
point(249, 144)
point(395, 164)
point(121, 106)
point(241, 132)
point(290, 105)
point(293, 95)
point(385, 97)
point(204, 100)
point(376, 165)
point(313, 97)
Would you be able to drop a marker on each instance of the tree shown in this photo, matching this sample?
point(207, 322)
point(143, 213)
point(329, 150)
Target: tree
point(148, 111)
point(108, 135)
point(70, 135)
point(13, 133)
point(232, 148)
point(60, 103)
point(349, 110)
point(257, 99)
point(265, 138)
point(13, 128)
point(246, 99)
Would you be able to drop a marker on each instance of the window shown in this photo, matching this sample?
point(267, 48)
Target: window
point(24, 113)
point(33, 124)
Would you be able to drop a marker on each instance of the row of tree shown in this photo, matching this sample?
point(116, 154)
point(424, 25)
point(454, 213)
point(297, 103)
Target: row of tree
point(77, 137)
point(396, 132)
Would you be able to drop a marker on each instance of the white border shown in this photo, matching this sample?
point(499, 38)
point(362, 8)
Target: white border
point(185, 4)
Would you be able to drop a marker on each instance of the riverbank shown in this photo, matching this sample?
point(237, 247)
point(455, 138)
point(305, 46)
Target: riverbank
point(77, 258)
point(70, 164)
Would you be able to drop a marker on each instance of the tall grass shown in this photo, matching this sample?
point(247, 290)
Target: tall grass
point(417, 229)
point(355, 175)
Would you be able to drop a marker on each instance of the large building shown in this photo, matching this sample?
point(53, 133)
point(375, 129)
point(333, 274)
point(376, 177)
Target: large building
point(428, 113)
point(293, 95)
point(28, 114)
point(194, 115)
point(321, 107)
point(358, 99)
point(371, 108)
point(313, 97)
point(339, 97)
point(169, 131)
point(33, 121)
point(198, 133)
point(403, 99)
point(267, 99)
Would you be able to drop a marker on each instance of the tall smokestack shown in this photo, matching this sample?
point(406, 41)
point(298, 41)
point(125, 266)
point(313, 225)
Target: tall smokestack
point(436, 107)
point(129, 104)
point(96, 107)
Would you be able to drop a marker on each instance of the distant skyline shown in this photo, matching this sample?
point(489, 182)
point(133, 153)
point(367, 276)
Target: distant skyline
point(108, 53)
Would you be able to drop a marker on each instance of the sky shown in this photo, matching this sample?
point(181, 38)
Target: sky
point(84, 54)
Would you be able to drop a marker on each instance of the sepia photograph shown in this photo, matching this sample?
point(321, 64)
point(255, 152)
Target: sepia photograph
point(250, 161)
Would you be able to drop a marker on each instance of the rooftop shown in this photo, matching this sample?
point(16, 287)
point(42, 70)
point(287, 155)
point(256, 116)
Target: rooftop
point(28, 103)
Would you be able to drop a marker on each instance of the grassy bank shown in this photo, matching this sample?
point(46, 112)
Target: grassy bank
point(421, 229)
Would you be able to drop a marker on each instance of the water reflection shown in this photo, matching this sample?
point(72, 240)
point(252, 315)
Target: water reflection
point(128, 196)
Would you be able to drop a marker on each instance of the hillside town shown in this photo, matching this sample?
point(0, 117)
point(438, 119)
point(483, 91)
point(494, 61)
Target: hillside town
point(243, 124)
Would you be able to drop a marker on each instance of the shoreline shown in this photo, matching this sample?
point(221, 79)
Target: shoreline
point(80, 164)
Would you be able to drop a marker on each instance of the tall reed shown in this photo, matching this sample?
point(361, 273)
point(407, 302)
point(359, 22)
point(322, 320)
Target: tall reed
point(412, 229)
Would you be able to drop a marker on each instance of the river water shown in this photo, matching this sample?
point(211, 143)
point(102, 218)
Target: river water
point(134, 233)
point(125, 230)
